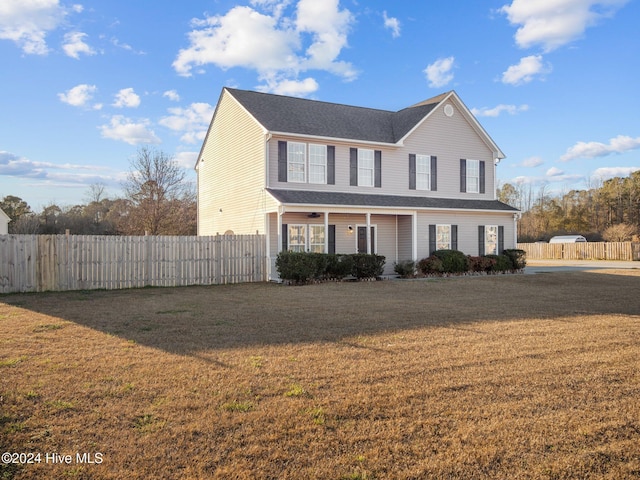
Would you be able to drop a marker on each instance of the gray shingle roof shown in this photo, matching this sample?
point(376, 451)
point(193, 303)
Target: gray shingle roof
point(310, 117)
point(304, 197)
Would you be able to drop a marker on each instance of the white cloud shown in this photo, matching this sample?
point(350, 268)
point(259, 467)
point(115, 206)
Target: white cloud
point(619, 144)
point(554, 23)
point(526, 70)
point(172, 95)
point(186, 159)
point(79, 96)
point(532, 162)
point(392, 24)
point(74, 45)
point(554, 172)
point(498, 109)
point(192, 121)
point(439, 72)
point(241, 38)
point(329, 26)
point(276, 46)
point(295, 88)
point(12, 165)
point(126, 98)
point(126, 130)
point(606, 173)
point(27, 23)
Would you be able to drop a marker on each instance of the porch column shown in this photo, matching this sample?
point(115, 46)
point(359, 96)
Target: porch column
point(414, 234)
point(326, 232)
point(279, 214)
point(369, 233)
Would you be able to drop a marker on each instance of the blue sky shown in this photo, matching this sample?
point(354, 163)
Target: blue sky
point(87, 83)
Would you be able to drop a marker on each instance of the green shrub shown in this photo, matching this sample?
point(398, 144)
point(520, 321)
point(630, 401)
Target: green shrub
point(406, 268)
point(503, 263)
point(430, 266)
point(298, 267)
point(518, 258)
point(303, 267)
point(367, 265)
point(481, 264)
point(453, 261)
point(338, 266)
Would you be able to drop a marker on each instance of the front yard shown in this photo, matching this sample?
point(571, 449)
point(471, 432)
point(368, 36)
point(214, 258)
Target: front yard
point(525, 376)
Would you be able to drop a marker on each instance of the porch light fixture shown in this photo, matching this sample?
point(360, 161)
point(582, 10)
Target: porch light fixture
point(350, 230)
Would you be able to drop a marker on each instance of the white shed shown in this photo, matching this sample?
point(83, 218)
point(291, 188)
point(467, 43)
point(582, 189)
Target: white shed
point(4, 223)
point(568, 239)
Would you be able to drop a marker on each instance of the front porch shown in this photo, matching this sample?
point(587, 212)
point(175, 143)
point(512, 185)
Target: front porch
point(393, 234)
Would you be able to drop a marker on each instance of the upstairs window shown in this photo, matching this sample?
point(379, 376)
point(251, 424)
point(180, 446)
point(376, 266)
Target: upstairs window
point(423, 172)
point(317, 163)
point(473, 176)
point(301, 163)
point(296, 162)
point(366, 168)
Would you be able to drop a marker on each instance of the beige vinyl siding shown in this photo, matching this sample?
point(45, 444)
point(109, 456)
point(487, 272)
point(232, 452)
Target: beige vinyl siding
point(448, 138)
point(231, 173)
point(405, 237)
point(468, 223)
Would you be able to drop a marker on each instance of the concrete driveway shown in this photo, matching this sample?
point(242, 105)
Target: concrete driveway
point(545, 266)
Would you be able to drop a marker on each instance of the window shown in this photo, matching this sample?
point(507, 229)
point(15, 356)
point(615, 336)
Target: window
point(316, 238)
point(317, 164)
point(443, 237)
point(423, 172)
point(296, 162)
point(306, 238)
point(491, 240)
point(297, 240)
point(473, 176)
point(366, 168)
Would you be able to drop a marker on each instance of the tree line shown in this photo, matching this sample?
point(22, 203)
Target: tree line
point(157, 201)
point(608, 210)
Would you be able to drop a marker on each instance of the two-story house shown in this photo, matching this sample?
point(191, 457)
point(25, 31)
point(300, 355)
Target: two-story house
point(324, 177)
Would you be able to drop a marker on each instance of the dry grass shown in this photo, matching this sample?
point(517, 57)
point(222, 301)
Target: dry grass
point(530, 376)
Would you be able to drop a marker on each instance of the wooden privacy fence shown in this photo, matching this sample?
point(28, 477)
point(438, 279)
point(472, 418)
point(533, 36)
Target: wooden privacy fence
point(37, 263)
point(582, 251)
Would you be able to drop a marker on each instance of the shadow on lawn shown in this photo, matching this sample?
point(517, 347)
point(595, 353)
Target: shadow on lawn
point(193, 320)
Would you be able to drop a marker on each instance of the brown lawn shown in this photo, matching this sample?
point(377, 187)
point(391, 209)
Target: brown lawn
point(525, 376)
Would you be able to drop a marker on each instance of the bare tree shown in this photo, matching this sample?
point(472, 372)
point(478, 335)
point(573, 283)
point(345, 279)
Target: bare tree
point(154, 183)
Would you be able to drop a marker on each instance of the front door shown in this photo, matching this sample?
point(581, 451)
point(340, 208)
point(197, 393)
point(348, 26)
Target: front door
point(362, 239)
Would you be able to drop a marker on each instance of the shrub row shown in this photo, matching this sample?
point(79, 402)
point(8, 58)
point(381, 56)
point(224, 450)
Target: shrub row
point(304, 267)
point(455, 262)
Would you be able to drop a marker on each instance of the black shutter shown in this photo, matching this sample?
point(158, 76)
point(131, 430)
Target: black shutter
point(332, 239)
point(331, 165)
point(432, 239)
point(480, 239)
point(353, 167)
point(285, 237)
point(463, 175)
point(454, 237)
point(412, 171)
point(378, 169)
point(482, 176)
point(434, 173)
point(282, 161)
point(500, 240)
